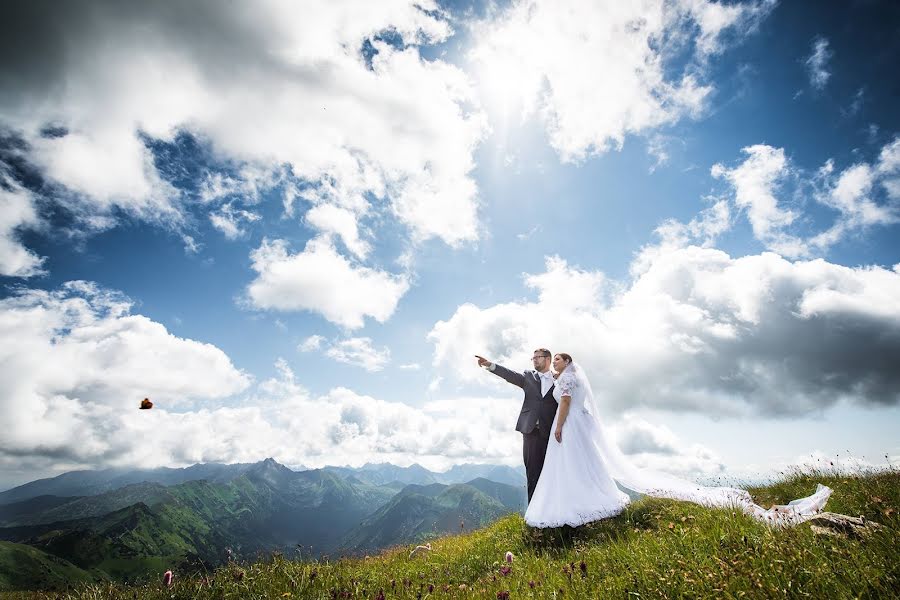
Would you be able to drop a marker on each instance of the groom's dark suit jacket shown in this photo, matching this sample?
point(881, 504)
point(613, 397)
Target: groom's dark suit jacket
point(537, 410)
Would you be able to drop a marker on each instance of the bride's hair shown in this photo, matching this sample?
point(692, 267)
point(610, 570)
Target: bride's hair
point(565, 357)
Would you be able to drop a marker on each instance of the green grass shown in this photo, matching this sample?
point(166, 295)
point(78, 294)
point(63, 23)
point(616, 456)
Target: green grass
point(22, 566)
point(655, 549)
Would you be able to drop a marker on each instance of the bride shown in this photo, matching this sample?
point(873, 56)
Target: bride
point(582, 467)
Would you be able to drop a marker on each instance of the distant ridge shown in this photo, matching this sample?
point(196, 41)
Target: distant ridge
point(91, 483)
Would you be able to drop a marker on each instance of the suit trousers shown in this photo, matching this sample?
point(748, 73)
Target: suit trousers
point(534, 447)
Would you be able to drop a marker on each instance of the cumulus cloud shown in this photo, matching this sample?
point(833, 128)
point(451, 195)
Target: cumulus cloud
point(595, 72)
point(863, 195)
point(313, 88)
point(75, 363)
point(279, 418)
point(360, 352)
point(657, 447)
point(332, 219)
point(702, 230)
point(17, 211)
point(321, 280)
point(756, 183)
point(79, 408)
point(817, 64)
point(699, 330)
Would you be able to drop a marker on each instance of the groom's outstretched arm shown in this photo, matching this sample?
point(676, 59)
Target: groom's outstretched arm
point(500, 371)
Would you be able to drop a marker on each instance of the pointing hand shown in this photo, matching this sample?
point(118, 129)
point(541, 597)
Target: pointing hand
point(482, 361)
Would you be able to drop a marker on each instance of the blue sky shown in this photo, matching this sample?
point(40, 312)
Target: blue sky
point(296, 245)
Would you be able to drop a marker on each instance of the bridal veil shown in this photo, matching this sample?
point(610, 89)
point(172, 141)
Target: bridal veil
point(655, 483)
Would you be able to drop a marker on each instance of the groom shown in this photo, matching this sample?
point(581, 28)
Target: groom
point(538, 410)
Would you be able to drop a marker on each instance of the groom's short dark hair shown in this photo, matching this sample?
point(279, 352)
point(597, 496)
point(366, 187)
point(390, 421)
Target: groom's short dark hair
point(543, 351)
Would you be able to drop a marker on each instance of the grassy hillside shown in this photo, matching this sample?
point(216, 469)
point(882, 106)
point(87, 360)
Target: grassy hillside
point(655, 549)
point(23, 567)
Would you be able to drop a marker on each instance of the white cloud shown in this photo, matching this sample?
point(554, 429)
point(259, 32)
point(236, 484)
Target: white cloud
point(278, 85)
point(888, 169)
point(702, 230)
point(698, 330)
point(279, 418)
point(817, 64)
point(715, 19)
point(332, 219)
point(227, 219)
point(756, 183)
point(250, 182)
point(855, 194)
point(657, 447)
point(75, 363)
point(17, 211)
point(657, 149)
point(360, 352)
point(311, 344)
point(321, 280)
point(596, 71)
point(411, 367)
point(108, 169)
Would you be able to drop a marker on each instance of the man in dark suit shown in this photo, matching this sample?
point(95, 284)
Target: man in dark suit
point(538, 410)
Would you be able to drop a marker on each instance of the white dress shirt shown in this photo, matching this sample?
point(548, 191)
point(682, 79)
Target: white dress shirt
point(547, 382)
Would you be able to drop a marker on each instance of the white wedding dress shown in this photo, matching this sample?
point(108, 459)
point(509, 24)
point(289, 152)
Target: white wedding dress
point(578, 481)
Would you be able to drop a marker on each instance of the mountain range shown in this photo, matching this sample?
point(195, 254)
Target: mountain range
point(126, 525)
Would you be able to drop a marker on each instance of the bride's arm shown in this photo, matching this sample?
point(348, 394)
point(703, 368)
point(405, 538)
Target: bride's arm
point(564, 403)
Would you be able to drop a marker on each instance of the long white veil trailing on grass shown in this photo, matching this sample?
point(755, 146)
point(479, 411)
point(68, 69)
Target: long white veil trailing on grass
point(655, 483)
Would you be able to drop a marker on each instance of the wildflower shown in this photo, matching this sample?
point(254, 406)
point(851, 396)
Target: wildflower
point(167, 578)
point(509, 557)
point(430, 588)
point(463, 587)
point(239, 576)
point(379, 595)
point(531, 584)
point(313, 574)
point(504, 570)
point(583, 567)
point(503, 595)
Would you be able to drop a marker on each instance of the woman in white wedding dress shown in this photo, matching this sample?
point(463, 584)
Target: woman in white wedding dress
point(582, 467)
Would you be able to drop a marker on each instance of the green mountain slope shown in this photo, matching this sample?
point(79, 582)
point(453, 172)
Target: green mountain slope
point(23, 568)
point(268, 507)
point(53, 508)
point(420, 512)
